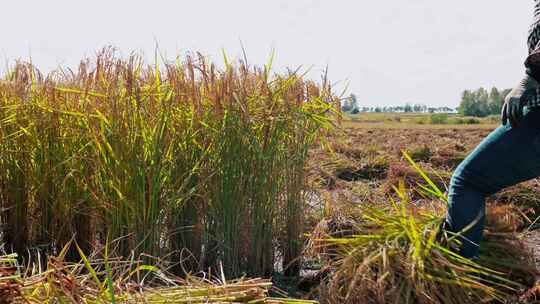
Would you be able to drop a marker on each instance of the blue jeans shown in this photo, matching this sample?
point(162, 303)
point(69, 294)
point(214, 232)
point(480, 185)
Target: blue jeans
point(506, 157)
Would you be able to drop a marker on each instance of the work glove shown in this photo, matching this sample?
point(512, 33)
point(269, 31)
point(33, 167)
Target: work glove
point(514, 102)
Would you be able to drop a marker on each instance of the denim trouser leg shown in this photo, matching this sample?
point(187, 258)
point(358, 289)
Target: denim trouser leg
point(506, 157)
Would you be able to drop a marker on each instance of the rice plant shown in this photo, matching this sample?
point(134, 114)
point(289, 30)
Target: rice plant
point(176, 159)
point(399, 253)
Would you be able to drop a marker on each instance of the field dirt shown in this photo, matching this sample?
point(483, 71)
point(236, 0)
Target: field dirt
point(367, 161)
point(359, 159)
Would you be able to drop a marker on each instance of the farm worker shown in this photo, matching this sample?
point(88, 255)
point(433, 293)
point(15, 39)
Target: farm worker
point(508, 156)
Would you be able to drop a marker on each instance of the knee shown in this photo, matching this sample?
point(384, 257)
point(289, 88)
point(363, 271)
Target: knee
point(459, 180)
point(465, 183)
point(465, 180)
point(466, 201)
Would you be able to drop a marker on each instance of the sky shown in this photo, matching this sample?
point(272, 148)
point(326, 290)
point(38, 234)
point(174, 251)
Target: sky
point(387, 52)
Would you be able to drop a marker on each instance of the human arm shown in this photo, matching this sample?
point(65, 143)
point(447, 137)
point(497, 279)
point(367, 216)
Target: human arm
point(529, 86)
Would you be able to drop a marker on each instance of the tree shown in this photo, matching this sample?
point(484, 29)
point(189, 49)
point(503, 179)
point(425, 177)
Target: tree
point(480, 103)
point(495, 101)
point(354, 102)
point(466, 107)
point(350, 104)
point(407, 108)
point(482, 98)
point(347, 105)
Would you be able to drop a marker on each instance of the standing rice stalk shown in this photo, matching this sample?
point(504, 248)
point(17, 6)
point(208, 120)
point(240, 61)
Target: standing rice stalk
point(166, 159)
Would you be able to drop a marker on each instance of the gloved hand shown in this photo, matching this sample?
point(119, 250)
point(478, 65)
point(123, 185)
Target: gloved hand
point(512, 109)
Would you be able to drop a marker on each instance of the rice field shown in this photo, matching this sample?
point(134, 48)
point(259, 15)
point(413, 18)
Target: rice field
point(177, 181)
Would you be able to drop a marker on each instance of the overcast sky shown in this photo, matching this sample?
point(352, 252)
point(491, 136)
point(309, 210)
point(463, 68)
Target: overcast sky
point(389, 52)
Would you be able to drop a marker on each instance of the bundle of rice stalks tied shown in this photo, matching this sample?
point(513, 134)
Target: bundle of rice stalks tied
point(200, 291)
point(242, 291)
point(401, 254)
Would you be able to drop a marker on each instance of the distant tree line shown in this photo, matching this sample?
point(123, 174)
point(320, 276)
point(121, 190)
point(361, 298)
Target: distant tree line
point(480, 103)
point(351, 105)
